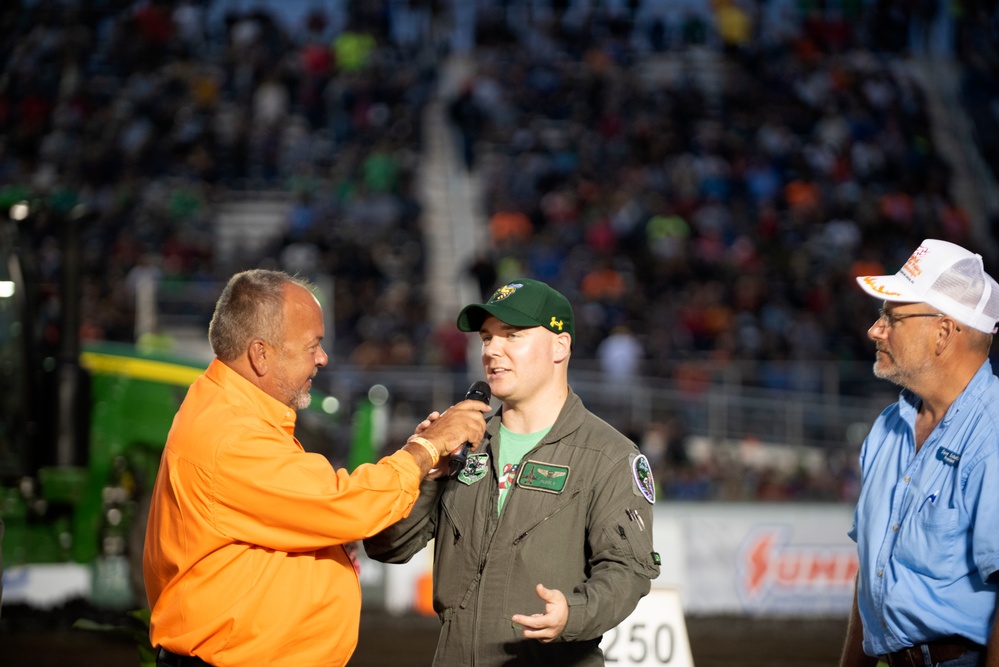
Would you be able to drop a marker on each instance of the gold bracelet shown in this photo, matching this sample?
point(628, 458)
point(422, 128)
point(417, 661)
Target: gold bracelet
point(431, 448)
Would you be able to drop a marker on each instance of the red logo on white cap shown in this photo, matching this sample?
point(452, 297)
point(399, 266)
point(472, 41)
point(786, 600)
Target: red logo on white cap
point(912, 264)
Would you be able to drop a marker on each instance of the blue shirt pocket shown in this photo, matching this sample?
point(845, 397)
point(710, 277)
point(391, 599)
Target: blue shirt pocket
point(930, 542)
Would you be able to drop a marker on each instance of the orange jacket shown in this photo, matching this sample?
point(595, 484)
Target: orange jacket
point(243, 560)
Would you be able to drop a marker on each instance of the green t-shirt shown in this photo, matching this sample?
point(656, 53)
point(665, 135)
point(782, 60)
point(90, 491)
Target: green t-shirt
point(512, 448)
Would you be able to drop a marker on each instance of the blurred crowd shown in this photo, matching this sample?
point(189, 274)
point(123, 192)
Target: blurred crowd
point(702, 179)
point(130, 120)
point(721, 211)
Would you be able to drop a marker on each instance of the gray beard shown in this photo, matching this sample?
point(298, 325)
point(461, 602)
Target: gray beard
point(301, 400)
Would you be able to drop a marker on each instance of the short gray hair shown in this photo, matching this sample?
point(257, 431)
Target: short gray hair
point(979, 341)
point(250, 307)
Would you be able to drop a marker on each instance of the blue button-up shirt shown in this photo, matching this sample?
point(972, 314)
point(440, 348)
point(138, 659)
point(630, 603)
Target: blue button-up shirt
point(927, 522)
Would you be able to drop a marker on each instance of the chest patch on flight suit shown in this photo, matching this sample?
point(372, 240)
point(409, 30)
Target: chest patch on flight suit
point(642, 472)
point(541, 476)
point(948, 457)
point(475, 468)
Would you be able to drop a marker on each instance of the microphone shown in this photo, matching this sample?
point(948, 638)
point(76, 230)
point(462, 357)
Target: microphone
point(480, 392)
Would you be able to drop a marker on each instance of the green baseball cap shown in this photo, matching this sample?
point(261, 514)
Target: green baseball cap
point(522, 302)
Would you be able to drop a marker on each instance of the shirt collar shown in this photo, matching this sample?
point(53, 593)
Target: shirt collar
point(569, 419)
point(979, 382)
point(262, 404)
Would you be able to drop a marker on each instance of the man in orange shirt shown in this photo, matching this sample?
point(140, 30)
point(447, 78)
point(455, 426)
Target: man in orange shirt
point(244, 560)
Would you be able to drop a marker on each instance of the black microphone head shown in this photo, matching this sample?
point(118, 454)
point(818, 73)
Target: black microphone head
point(480, 391)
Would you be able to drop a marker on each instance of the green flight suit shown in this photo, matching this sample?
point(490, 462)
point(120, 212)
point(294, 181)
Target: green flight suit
point(576, 521)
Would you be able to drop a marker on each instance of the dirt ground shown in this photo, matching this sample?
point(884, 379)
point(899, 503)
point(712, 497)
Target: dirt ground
point(714, 642)
point(30, 640)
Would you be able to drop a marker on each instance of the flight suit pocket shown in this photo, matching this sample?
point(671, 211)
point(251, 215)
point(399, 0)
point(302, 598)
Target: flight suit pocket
point(633, 537)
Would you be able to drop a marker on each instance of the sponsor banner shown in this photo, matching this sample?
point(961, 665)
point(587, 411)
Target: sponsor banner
point(760, 559)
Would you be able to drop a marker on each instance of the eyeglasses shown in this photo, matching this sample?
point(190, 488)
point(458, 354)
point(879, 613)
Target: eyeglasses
point(889, 319)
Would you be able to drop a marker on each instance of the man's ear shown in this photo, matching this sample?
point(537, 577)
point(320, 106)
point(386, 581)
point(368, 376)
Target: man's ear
point(563, 346)
point(948, 332)
point(258, 357)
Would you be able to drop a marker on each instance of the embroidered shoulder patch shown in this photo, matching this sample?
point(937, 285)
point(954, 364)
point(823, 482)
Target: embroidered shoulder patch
point(948, 457)
point(475, 468)
point(642, 472)
point(547, 477)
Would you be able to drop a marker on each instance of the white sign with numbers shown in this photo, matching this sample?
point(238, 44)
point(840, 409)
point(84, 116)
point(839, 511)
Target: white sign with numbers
point(654, 634)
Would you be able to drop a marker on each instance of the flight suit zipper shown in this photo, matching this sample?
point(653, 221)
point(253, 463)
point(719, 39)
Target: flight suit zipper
point(520, 538)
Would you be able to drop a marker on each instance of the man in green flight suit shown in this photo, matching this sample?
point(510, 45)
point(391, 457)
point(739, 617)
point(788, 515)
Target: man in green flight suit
point(543, 539)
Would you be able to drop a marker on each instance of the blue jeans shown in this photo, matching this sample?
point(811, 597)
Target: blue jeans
point(969, 659)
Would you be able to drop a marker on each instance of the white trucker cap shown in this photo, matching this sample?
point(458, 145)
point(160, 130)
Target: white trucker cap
point(946, 276)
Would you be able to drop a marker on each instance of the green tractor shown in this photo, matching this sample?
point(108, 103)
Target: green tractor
point(76, 529)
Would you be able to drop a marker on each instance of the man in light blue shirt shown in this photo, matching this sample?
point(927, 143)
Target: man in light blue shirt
point(927, 520)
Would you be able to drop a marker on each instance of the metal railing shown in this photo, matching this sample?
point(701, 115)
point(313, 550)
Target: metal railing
point(719, 411)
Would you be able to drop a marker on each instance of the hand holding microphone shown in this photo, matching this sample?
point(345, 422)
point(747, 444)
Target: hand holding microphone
point(479, 391)
point(444, 434)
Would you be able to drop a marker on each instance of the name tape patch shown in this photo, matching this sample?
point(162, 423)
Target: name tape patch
point(540, 476)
